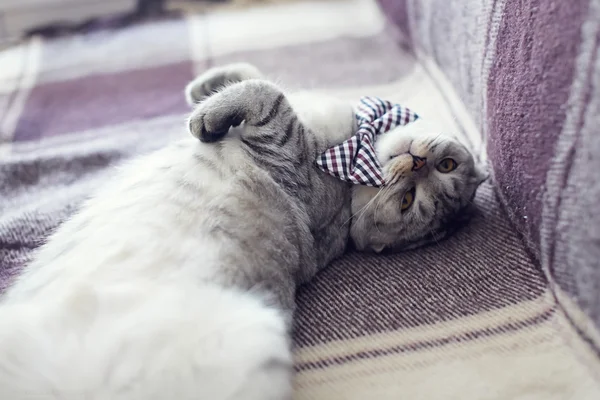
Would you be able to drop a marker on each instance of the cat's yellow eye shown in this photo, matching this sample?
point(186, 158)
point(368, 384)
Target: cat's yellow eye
point(447, 165)
point(408, 199)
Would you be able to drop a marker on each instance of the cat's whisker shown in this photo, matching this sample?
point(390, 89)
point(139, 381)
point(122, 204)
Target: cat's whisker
point(353, 215)
point(362, 211)
point(385, 189)
point(437, 242)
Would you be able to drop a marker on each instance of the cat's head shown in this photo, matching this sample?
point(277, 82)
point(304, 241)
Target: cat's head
point(431, 180)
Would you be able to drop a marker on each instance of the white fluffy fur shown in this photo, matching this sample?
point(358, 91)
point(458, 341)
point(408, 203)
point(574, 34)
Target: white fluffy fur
point(111, 310)
point(117, 317)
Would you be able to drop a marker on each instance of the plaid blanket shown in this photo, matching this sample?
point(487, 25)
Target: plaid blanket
point(470, 317)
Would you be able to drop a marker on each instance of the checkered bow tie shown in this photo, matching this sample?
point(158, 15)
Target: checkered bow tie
point(355, 160)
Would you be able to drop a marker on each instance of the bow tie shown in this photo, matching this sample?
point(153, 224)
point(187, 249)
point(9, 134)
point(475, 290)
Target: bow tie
point(355, 159)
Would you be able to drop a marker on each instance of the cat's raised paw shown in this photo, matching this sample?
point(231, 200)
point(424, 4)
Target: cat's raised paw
point(212, 124)
point(254, 101)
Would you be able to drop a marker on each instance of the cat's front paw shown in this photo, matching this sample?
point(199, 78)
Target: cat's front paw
point(212, 120)
point(253, 101)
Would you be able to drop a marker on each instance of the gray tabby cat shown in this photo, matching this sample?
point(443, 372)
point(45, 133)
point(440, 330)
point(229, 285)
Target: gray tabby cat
point(176, 280)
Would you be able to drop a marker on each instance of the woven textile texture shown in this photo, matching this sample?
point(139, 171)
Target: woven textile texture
point(471, 317)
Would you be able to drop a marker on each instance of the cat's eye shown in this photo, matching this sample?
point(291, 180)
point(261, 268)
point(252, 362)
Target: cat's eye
point(447, 165)
point(408, 199)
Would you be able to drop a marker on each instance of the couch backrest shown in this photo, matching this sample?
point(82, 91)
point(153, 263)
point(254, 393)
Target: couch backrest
point(529, 72)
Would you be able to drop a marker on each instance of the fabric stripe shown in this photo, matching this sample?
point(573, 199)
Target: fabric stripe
point(15, 109)
point(102, 100)
point(296, 23)
point(419, 345)
point(504, 367)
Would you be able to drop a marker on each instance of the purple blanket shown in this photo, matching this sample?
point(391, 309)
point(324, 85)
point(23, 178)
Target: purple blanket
point(421, 324)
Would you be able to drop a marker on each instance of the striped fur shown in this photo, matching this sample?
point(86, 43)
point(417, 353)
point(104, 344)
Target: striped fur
point(287, 148)
point(272, 133)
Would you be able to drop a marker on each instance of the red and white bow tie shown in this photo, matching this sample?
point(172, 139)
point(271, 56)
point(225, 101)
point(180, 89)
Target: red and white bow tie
point(355, 159)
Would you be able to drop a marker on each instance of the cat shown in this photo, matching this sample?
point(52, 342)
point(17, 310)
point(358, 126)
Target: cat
point(176, 280)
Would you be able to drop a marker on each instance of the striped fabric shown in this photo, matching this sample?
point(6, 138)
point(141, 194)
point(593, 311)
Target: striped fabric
point(355, 160)
point(529, 73)
point(481, 315)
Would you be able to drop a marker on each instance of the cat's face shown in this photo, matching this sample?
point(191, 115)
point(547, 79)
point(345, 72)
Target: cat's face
point(430, 181)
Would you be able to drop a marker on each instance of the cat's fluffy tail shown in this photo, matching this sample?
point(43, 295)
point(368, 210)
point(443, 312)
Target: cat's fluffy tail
point(180, 344)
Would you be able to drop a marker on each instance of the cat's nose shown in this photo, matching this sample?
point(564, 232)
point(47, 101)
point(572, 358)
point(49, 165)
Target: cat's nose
point(418, 162)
